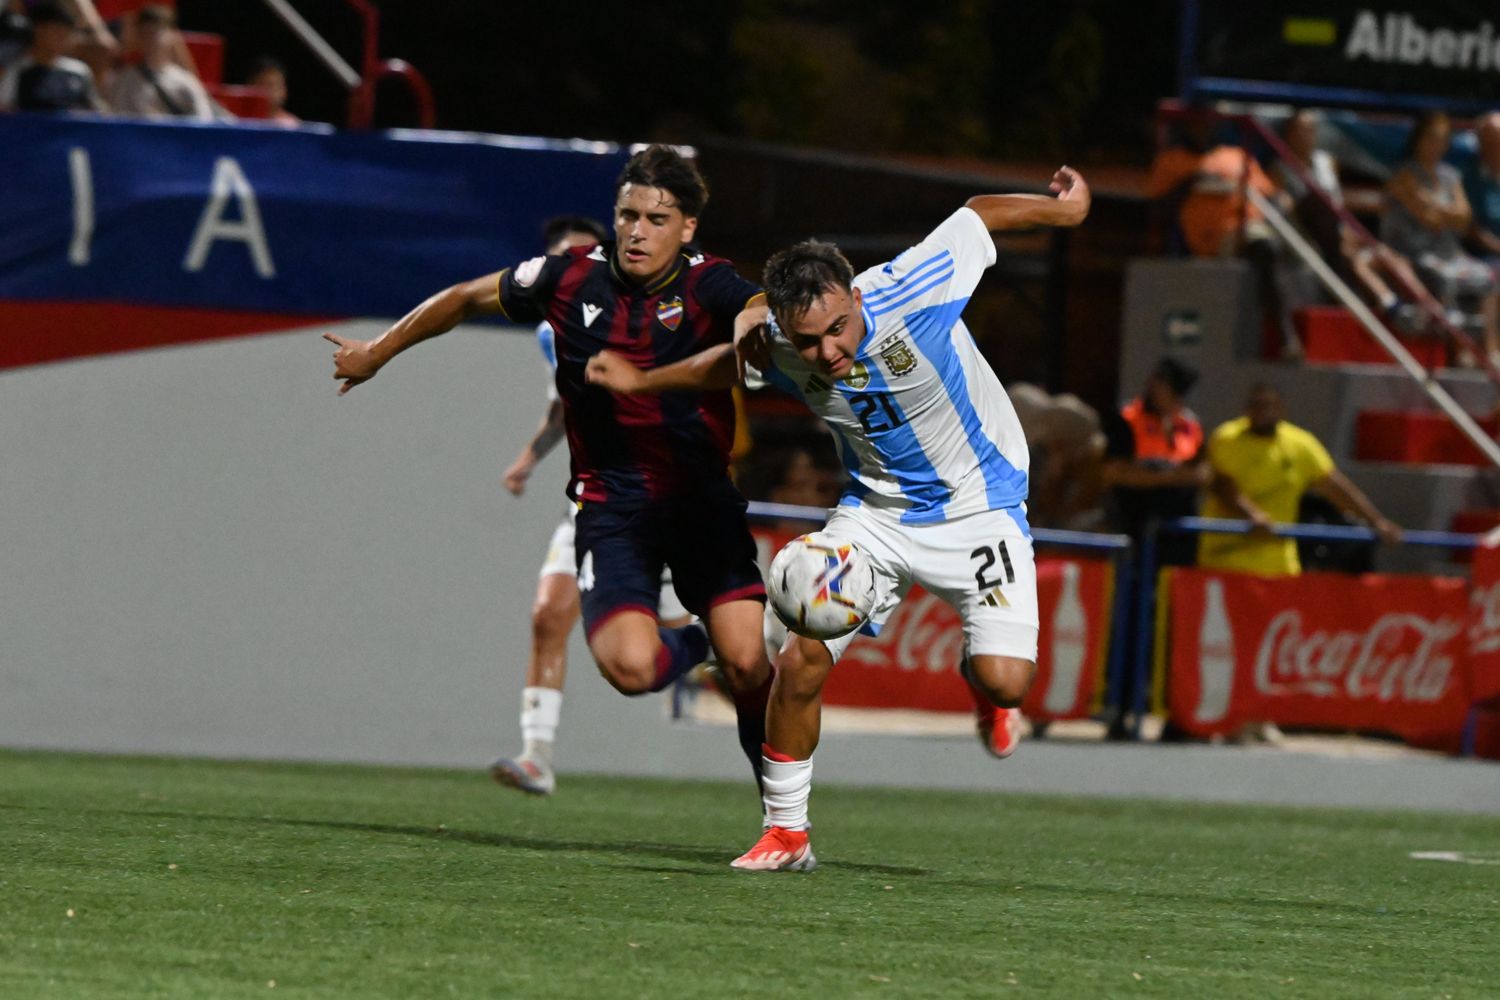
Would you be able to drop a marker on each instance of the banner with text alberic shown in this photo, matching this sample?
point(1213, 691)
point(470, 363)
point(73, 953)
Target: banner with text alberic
point(1345, 52)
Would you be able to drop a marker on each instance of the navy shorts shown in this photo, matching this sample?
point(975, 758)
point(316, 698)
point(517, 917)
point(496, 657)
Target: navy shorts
point(703, 538)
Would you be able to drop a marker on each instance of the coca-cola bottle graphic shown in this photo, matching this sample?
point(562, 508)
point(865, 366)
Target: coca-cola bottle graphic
point(1069, 632)
point(1215, 656)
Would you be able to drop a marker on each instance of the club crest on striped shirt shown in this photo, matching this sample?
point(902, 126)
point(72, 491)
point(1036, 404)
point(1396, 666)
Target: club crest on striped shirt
point(669, 312)
point(898, 358)
point(858, 377)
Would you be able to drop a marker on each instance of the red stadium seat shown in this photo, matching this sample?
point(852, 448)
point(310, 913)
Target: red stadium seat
point(241, 101)
point(1415, 436)
point(208, 53)
point(112, 10)
point(1331, 334)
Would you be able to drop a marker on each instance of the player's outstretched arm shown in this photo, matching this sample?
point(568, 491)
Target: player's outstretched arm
point(548, 433)
point(357, 361)
point(710, 369)
point(1069, 207)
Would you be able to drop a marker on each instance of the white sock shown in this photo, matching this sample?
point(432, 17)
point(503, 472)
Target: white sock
point(787, 784)
point(541, 708)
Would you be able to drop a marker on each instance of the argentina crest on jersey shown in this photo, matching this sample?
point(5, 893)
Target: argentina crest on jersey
point(897, 355)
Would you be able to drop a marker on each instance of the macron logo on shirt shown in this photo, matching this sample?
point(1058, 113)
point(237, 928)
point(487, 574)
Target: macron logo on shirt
point(590, 313)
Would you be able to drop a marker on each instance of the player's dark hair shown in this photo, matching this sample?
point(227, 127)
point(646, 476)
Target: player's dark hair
point(663, 167)
point(559, 226)
point(799, 275)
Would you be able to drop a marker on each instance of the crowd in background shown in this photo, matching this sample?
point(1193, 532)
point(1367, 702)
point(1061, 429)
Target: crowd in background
point(1434, 261)
point(120, 57)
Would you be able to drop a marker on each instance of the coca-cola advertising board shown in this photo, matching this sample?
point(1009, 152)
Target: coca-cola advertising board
point(1322, 649)
point(1484, 625)
point(913, 663)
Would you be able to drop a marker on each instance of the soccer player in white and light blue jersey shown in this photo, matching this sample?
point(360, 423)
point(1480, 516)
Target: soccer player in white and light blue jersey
point(936, 463)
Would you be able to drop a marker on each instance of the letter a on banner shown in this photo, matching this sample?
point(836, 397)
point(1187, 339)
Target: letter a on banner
point(229, 180)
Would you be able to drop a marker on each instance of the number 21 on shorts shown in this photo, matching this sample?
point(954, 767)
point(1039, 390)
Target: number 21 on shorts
point(985, 555)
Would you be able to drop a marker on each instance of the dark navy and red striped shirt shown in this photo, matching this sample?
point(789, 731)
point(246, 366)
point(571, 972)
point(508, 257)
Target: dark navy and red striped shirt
point(629, 449)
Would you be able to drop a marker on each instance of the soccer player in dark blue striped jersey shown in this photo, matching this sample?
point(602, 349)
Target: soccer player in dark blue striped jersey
point(650, 475)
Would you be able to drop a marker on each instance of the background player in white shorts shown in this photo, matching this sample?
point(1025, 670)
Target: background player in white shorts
point(936, 461)
point(556, 609)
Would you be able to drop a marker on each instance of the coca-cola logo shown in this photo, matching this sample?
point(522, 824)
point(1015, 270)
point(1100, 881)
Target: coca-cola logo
point(922, 634)
point(1400, 657)
point(1484, 618)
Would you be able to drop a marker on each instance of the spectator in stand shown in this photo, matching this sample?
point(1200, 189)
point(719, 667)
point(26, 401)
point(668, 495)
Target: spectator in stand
point(124, 17)
point(1154, 467)
point(15, 33)
point(269, 75)
point(1261, 466)
point(1364, 266)
point(157, 87)
point(1153, 459)
point(1426, 216)
point(1482, 187)
point(1200, 185)
point(97, 47)
point(47, 78)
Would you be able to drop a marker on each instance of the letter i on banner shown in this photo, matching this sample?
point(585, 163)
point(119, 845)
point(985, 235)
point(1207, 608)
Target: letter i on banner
point(82, 176)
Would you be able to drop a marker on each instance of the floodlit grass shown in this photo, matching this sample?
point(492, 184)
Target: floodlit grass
point(124, 877)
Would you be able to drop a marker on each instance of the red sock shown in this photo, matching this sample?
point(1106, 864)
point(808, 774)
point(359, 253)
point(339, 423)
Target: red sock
point(773, 754)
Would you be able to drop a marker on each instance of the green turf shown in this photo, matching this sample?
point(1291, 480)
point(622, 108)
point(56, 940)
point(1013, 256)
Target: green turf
point(197, 879)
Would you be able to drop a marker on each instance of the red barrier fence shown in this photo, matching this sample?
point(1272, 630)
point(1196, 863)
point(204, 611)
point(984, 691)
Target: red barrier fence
point(1388, 653)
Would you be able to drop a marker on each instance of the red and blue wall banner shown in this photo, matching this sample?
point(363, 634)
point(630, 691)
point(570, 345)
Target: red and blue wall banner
point(142, 233)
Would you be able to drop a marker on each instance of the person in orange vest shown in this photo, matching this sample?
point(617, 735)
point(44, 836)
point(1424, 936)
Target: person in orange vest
point(1154, 466)
point(1153, 459)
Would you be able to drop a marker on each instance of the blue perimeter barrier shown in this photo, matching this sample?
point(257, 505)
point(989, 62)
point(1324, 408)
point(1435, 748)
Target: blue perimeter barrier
point(1118, 546)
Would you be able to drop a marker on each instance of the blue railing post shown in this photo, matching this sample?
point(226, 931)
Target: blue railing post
point(1119, 656)
point(1145, 608)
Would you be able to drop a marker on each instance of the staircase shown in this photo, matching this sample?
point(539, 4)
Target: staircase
point(1378, 424)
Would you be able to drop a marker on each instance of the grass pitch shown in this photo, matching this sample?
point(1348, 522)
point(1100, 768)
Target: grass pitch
point(126, 877)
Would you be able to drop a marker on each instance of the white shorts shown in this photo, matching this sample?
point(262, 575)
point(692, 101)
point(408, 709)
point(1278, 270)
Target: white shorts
point(980, 565)
point(561, 561)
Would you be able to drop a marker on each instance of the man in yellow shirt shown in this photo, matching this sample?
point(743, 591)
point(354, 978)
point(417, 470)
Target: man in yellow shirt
point(1262, 465)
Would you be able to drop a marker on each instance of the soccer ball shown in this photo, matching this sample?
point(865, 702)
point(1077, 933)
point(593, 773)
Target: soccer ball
point(821, 586)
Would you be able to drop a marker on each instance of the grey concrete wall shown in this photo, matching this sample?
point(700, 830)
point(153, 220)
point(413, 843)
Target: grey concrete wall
point(205, 550)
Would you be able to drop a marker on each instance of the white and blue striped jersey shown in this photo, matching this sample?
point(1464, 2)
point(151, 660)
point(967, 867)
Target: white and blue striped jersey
point(922, 424)
point(546, 339)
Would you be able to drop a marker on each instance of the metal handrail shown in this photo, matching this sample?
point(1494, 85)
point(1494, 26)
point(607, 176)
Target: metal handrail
point(1435, 313)
point(360, 83)
point(1319, 532)
point(1397, 350)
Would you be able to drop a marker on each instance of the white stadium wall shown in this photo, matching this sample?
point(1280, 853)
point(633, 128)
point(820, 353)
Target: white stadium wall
point(207, 551)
